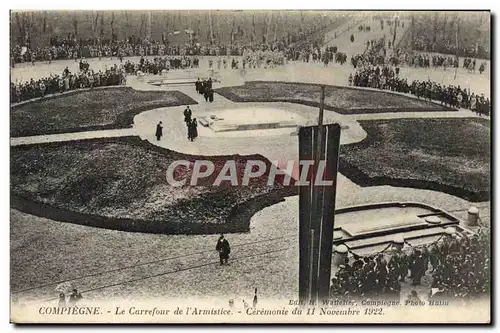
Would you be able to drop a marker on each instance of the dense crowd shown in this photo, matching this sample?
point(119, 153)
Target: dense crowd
point(374, 54)
point(158, 64)
point(422, 60)
point(66, 81)
point(387, 78)
point(459, 267)
point(293, 47)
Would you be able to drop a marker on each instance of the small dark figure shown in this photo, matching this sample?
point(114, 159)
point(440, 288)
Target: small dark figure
point(224, 249)
point(159, 131)
point(62, 300)
point(417, 268)
point(74, 297)
point(210, 95)
point(187, 115)
point(193, 129)
point(198, 85)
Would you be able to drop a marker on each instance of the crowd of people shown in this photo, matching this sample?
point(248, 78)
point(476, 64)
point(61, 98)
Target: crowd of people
point(70, 47)
point(374, 54)
point(66, 81)
point(387, 78)
point(158, 64)
point(423, 60)
point(459, 268)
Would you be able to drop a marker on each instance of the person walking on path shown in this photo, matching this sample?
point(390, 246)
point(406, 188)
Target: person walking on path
point(224, 249)
point(187, 115)
point(159, 131)
point(192, 129)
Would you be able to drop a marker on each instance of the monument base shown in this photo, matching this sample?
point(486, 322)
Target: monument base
point(250, 119)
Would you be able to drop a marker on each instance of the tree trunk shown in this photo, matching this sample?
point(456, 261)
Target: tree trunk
point(102, 26)
point(75, 24)
point(112, 23)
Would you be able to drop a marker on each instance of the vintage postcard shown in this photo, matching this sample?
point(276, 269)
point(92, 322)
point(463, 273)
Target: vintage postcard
point(212, 166)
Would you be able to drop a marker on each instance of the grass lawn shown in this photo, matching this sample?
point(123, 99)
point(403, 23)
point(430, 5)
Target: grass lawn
point(343, 100)
point(450, 155)
point(89, 110)
point(121, 184)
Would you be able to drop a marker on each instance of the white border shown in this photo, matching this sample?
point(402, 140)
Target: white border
point(218, 4)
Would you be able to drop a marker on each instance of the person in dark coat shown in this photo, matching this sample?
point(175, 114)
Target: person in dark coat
point(187, 115)
point(206, 93)
point(159, 131)
point(192, 129)
point(417, 268)
point(224, 249)
point(210, 95)
point(202, 87)
point(198, 85)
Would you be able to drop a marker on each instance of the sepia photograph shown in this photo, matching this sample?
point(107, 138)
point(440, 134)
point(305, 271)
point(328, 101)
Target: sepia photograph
point(250, 166)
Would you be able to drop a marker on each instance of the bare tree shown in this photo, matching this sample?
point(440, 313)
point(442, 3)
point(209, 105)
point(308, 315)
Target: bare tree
point(44, 28)
point(20, 26)
point(101, 34)
point(112, 23)
point(75, 24)
point(142, 24)
point(95, 18)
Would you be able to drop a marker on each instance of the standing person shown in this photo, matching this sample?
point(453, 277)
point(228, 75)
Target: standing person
point(187, 115)
point(206, 93)
point(62, 300)
point(210, 95)
point(192, 130)
point(198, 85)
point(159, 131)
point(417, 268)
point(42, 89)
point(224, 249)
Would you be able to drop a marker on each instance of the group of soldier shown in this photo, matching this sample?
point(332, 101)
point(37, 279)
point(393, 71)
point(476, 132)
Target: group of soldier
point(427, 61)
point(157, 65)
point(85, 78)
point(266, 59)
point(452, 96)
point(376, 54)
point(459, 266)
point(204, 87)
